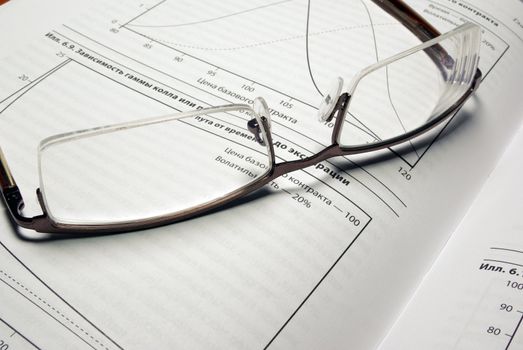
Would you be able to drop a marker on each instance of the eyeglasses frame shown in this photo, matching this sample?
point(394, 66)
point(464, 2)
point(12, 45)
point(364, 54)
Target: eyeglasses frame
point(396, 8)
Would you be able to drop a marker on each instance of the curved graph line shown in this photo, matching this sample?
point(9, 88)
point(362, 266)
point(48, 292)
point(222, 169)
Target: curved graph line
point(394, 108)
point(367, 130)
point(209, 19)
point(307, 34)
point(387, 75)
point(372, 28)
point(307, 47)
point(376, 138)
point(256, 44)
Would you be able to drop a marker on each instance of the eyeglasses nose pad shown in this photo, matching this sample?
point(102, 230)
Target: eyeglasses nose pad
point(254, 128)
point(261, 112)
point(329, 101)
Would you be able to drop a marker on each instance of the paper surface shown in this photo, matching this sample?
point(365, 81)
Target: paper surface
point(472, 297)
point(273, 272)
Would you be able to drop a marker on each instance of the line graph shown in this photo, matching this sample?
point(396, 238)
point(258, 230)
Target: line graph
point(244, 27)
point(214, 18)
point(251, 39)
point(315, 43)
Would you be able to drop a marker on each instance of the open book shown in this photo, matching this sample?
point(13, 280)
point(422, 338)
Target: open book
point(332, 256)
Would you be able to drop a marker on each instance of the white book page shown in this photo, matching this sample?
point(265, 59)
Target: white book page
point(472, 298)
point(323, 257)
point(37, 16)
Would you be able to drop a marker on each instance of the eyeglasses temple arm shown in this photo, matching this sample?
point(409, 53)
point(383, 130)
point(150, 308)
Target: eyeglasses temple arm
point(409, 18)
point(420, 27)
point(13, 198)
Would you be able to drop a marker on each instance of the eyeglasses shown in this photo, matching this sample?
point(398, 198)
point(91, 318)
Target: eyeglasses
point(156, 171)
